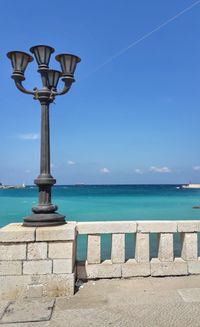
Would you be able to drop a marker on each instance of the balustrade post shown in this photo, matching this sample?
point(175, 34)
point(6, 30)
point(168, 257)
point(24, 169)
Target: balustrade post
point(94, 249)
point(142, 247)
point(165, 247)
point(189, 250)
point(118, 248)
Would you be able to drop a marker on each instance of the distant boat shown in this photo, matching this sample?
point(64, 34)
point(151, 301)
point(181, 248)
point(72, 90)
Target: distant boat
point(12, 186)
point(190, 185)
point(20, 186)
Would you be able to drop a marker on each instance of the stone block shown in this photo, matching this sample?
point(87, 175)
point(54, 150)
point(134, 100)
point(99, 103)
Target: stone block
point(105, 269)
point(10, 267)
point(164, 226)
point(189, 249)
point(65, 232)
point(13, 287)
point(61, 250)
point(142, 253)
point(165, 247)
point(176, 268)
point(94, 249)
point(188, 226)
point(29, 312)
point(132, 268)
point(194, 267)
point(106, 227)
point(17, 233)
point(16, 287)
point(190, 296)
point(37, 250)
point(118, 248)
point(58, 284)
point(37, 267)
point(12, 251)
point(63, 266)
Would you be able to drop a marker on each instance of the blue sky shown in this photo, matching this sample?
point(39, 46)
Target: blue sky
point(133, 118)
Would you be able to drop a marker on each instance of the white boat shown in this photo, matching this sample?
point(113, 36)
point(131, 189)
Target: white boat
point(20, 186)
point(191, 186)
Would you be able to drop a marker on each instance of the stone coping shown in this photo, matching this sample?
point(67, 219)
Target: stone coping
point(106, 227)
point(17, 233)
point(150, 226)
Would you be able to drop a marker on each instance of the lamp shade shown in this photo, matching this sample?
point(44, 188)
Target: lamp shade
point(68, 63)
point(19, 61)
point(52, 78)
point(42, 55)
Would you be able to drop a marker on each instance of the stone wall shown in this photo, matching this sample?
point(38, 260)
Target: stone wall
point(36, 262)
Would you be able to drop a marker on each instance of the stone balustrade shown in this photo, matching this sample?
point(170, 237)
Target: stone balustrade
point(164, 264)
point(36, 262)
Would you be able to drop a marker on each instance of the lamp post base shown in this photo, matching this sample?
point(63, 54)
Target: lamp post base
point(44, 219)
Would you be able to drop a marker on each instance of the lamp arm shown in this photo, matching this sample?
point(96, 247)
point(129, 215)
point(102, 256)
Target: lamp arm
point(68, 82)
point(22, 88)
point(64, 90)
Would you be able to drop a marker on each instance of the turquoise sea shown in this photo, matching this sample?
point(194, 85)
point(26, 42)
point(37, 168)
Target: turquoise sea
point(106, 202)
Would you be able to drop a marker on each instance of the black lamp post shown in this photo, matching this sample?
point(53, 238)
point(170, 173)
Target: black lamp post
point(44, 213)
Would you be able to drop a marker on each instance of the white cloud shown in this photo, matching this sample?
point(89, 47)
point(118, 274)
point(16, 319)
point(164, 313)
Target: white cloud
point(196, 168)
point(29, 136)
point(139, 171)
point(70, 162)
point(164, 169)
point(104, 170)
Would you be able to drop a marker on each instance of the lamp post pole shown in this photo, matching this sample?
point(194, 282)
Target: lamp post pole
point(44, 213)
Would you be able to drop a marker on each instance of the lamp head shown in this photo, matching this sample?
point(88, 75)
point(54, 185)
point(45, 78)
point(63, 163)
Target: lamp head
point(52, 78)
point(19, 61)
point(68, 64)
point(42, 55)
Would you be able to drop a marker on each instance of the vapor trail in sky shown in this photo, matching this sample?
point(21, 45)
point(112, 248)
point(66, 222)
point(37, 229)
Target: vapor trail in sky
point(142, 38)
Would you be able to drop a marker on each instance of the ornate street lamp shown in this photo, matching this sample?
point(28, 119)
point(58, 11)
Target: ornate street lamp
point(44, 213)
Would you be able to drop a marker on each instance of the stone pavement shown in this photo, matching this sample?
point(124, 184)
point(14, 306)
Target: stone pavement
point(138, 302)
